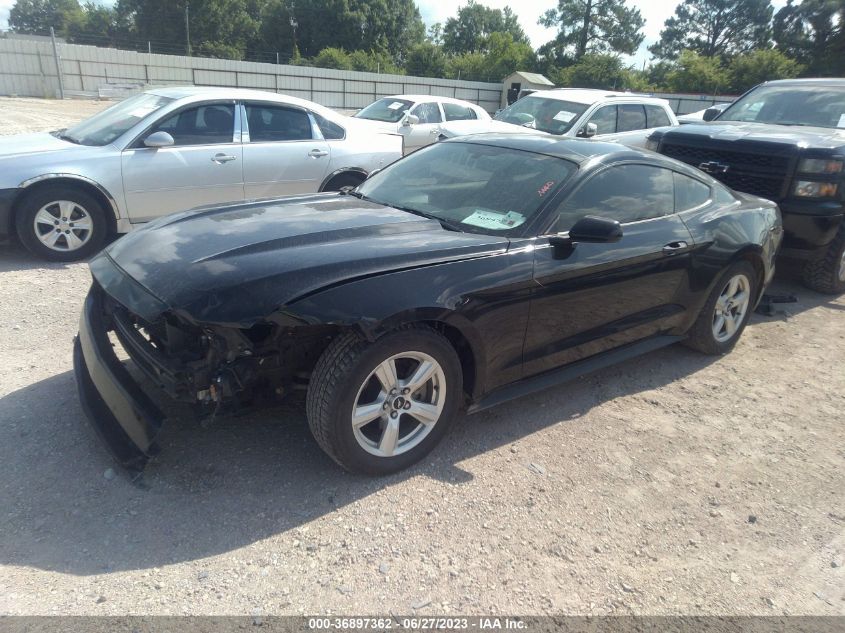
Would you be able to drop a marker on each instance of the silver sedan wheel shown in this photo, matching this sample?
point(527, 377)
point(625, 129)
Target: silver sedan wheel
point(398, 404)
point(63, 225)
point(731, 307)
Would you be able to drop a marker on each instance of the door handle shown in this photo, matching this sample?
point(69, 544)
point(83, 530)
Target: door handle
point(317, 153)
point(434, 132)
point(673, 248)
point(223, 158)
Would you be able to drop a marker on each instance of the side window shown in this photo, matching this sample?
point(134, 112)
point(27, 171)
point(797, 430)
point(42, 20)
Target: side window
point(277, 123)
point(626, 193)
point(605, 120)
point(656, 116)
point(689, 193)
point(631, 117)
point(428, 113)
point(455, 112)
point(203, 125)
point(331, 130)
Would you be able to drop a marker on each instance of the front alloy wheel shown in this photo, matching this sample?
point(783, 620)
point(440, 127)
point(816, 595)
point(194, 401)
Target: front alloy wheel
point(378, 407)
point(398, 404)
point(63, 225)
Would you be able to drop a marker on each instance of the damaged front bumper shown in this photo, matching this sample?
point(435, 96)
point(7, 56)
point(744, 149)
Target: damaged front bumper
point(124, 417)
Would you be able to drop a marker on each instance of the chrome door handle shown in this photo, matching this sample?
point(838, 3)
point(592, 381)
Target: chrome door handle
point(223, 158)
point(672, 248)
point(317, 153)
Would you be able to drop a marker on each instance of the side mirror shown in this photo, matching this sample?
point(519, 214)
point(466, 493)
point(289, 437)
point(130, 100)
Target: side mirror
point(710, 114)
point(588, 131)
point(590, 229)
point(159, 139)
point(410, 119)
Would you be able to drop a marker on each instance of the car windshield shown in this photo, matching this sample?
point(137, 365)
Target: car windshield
point(388, 110)
point(104, 127)
point(818, 106)
point(470, 187)
point(543, 113)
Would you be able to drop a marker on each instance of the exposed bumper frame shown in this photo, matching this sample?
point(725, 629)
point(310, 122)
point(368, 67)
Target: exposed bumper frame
point(124, 417)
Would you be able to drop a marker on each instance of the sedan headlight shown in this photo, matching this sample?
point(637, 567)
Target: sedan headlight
point(819, 166)
point(652, 144)
point(814, 189)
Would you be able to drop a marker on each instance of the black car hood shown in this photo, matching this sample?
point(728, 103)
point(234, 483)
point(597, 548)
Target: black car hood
point(237, 264)
point(791, 136)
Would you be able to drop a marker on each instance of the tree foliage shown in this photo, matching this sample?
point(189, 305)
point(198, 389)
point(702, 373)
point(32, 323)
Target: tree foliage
point(470, 30)
point(603, 71)
point(813, 33)
point(593, 26)
point(37, 16)
point(746, 71)
point(715, 27)
point(697, 73)
point(426, 59)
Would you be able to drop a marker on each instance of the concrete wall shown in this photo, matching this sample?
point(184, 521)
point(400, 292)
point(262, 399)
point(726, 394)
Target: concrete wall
point(28, 68)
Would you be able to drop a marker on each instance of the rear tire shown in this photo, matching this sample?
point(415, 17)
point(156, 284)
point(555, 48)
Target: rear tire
point(363, 425)
point(61, 223)
point(827, 273)
point(726, 311)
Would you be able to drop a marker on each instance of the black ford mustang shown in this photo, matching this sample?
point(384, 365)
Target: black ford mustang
point(468, 273)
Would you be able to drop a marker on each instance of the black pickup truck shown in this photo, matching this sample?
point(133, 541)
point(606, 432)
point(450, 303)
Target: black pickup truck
point(785, 141)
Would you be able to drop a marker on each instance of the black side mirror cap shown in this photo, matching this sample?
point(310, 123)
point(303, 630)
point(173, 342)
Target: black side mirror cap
point(590, 229)
point(710, 114)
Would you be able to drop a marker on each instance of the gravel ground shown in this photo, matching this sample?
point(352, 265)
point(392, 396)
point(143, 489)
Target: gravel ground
point(674, 484)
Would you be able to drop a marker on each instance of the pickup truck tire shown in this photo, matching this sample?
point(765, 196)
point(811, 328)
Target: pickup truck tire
point(61, 223)
point(726, 311)
point(827, 273)
point(377, 407)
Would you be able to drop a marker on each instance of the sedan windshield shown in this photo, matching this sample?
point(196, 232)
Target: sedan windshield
point(104, 127)
point(542, 113)
point(388, 110)
point(470, 187)
point(818, 106)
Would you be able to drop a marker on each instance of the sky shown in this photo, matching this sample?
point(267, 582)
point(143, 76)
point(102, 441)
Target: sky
point(655, 13)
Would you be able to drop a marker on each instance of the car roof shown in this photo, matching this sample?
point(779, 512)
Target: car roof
point(808, 81)
point(577, 150)
point(210, 92)
point(589, 96)
point(429, 98)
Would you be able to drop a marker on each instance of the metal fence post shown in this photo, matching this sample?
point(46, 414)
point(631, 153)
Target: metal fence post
point(58, 64)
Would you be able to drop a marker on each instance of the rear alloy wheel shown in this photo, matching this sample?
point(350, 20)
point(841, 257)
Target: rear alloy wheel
point(61, 224)
point(726, 312)
point(827, 274)
point(379, 407)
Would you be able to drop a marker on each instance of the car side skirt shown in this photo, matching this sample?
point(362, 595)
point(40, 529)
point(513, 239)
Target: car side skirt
point(555, 377)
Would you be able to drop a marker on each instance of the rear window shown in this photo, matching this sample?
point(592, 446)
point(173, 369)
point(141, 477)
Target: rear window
point(331, 130)
point(656, 116)
point(456, 112)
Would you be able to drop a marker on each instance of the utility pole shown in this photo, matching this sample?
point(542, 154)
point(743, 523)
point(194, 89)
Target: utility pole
point(188, 26)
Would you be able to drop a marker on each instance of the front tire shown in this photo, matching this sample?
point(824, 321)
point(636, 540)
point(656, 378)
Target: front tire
point(726, 311)
point(376, 408)
point(61, 224)
point(827, 274)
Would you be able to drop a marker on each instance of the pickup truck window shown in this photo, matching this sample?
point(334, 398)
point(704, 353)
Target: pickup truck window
point(605, 119)
point(631, 117)
point(656, 116)
point(818, 106)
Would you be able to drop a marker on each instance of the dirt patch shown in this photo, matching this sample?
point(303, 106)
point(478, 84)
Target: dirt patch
point(21, 115)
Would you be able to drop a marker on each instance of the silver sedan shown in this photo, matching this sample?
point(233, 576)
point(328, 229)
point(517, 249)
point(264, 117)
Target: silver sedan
point(174, 149)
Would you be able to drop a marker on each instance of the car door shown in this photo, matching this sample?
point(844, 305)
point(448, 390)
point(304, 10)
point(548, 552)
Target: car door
point(203, 166)
point(631, 124)
point(284, 151)
point(425, 132)
point(604, 118)
point(594, 297)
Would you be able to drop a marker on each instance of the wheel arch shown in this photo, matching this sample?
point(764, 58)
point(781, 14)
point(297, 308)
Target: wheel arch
point(91, 187)
point(343, 171)
point(753, 254)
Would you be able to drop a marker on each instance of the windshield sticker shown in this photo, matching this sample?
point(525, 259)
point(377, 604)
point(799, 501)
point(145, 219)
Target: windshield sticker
point(841, 121)
point(493, 220)
point(542, 191)
point(396, 105)
point(564, 116)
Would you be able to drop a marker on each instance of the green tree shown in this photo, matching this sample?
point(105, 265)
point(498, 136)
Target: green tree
point(813, 33)
point(426, 60)
point(470, 30)
point(333, 58)
point(748, 70)
point(469, 66)
point(603, 71)
point(592, 26)
point(715, 27)
point(35, 17)
point(696, 73)
point(372, 61)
